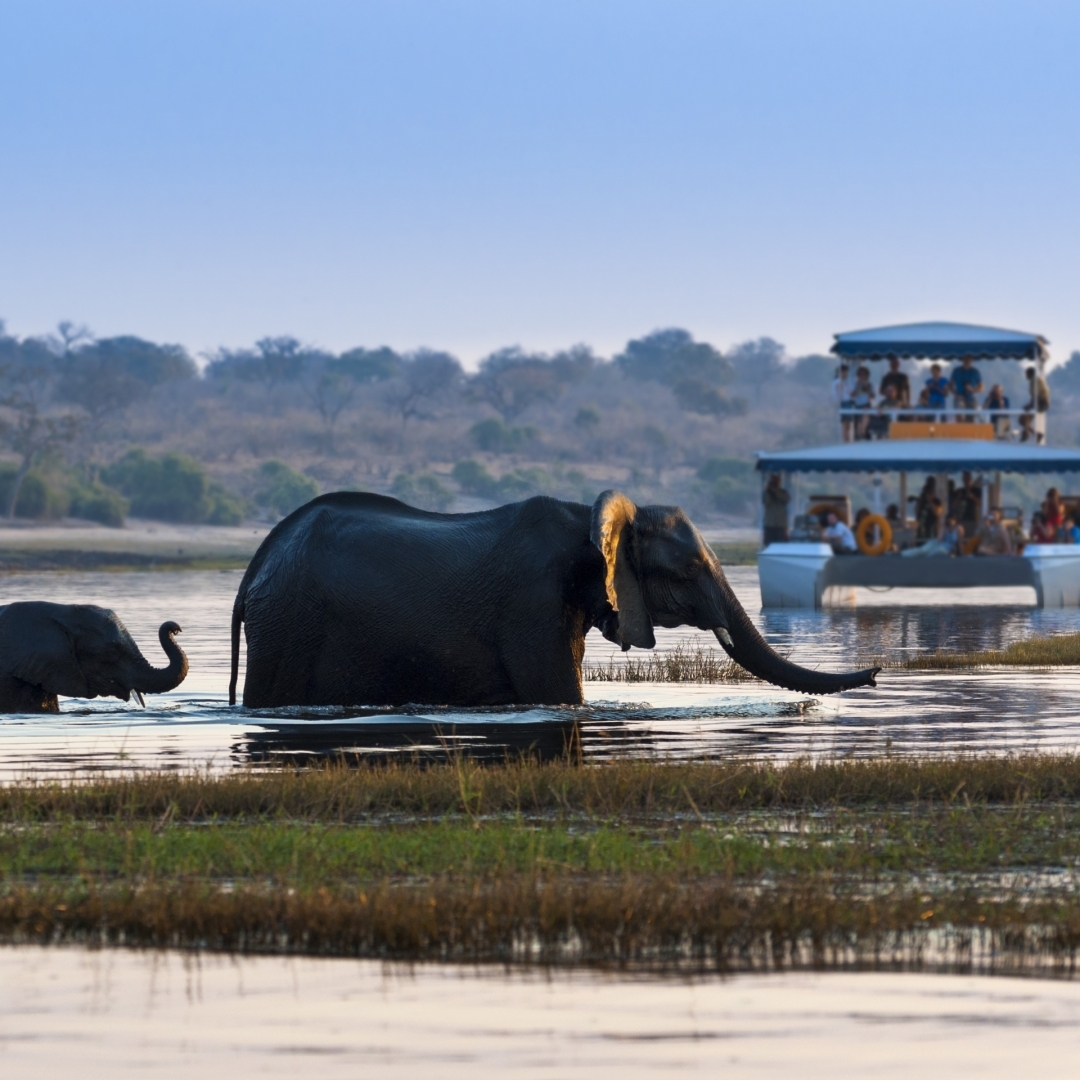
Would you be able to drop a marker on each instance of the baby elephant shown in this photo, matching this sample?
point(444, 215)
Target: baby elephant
point(77, 650)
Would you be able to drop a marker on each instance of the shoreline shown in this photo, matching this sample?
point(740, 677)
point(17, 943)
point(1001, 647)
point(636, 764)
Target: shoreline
point(139, 545)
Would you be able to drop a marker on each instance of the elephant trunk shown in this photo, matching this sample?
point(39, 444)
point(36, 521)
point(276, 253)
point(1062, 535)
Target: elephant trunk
point(740, 639)
point(152, 680)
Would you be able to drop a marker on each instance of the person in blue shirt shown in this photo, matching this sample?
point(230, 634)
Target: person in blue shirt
point(937, 388)
point(1070, 532)
point(966, 383)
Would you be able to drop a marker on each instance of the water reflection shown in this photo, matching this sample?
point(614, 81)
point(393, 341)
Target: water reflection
point(908, 712)
point(419, 739)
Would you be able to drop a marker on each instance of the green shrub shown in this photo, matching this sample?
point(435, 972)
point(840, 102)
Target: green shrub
point(96, 502)
point(727, 484)
point(423, 490)
point(225, 507)
point(495, 437)
point(474, 479)
point(172, 487)
point(37, 497)
point(282, 489)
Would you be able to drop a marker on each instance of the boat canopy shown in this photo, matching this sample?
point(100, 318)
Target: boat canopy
point(940, 341)
point(923, 455)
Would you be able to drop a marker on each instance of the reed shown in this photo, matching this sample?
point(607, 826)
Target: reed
point(653, 921)
point(1057, 651)
point(684, 663)
point(335, 793)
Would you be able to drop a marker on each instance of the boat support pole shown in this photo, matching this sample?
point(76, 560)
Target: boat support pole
point(903, 500)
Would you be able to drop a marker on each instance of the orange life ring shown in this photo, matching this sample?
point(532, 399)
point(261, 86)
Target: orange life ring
point(862, 535)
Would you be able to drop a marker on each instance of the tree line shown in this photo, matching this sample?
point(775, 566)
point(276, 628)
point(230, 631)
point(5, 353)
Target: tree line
point(87, 405)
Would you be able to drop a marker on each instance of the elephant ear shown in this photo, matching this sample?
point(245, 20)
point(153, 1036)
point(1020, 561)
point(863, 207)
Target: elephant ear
point(613, 533)
point(43, 654)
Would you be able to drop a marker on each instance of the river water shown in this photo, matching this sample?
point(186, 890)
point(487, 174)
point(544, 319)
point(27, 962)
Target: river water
point(908, 712)
point(110, 1013)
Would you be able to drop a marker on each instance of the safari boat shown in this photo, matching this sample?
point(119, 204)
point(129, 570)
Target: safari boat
point(799, 572)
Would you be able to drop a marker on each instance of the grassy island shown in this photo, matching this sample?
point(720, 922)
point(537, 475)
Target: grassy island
point(965, 862)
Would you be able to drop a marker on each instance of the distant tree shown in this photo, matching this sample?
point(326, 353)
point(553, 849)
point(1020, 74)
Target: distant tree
point(424, 490)
point(105, 378)
point(511, 380)
point(698, 396)
point(727, 484)
point(1066, 377)
point(26, 428)
point(368, 365)
point(331, 382)
point(172, 487)
point(424, 376)
point(68, 335)
point(587, 418)
point(669, 356)
point(496, 437)
point(273, 361)
point(282, 489)
point(814, 370)
point(758, 363)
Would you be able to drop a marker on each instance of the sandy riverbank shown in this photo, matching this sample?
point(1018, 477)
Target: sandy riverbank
point(73, 544)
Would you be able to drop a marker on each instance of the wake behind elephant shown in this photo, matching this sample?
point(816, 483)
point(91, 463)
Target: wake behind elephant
point(358, 599)
point(77, 650)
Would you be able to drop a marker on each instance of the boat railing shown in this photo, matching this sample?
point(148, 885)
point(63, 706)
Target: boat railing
point(1028, 422)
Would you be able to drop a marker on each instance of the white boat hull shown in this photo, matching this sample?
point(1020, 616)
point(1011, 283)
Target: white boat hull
point(796, 575)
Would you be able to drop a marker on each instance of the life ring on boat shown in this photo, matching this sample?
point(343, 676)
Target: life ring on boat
point(862, 535)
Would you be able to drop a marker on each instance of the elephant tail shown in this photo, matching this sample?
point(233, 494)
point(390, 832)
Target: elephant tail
point(237, 619)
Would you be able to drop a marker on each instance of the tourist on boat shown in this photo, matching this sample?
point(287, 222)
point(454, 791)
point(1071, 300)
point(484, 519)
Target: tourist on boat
point(1033, 422)
point(862, 397)
point(1041, 532)
point(967, 503)
point(886, 414)
point(923, 406)
point(928, 511)
point(839, 535)
point(775, 500)
point(1070, 531)
point(994, 536)
point(997, 400)
point(943, 545)
point(937, 389)
point(953, 536)
point(966, 383)
point(1053, 510)
point(899, 381)
point(842, 387)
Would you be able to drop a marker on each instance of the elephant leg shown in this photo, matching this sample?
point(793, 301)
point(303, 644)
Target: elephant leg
point(546, 670)
point(17, 696)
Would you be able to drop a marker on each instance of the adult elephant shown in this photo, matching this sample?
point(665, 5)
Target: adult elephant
point(77, 650)
point(359, 599)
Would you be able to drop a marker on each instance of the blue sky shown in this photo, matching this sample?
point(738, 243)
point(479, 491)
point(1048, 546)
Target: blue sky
point(470, 175)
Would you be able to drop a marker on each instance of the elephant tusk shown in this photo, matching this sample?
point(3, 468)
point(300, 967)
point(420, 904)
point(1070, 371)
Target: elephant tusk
point(724, 637)
point(139, 698)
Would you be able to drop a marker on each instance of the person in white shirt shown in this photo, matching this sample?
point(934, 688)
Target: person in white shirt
point(842, 388)
point(839, 535)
